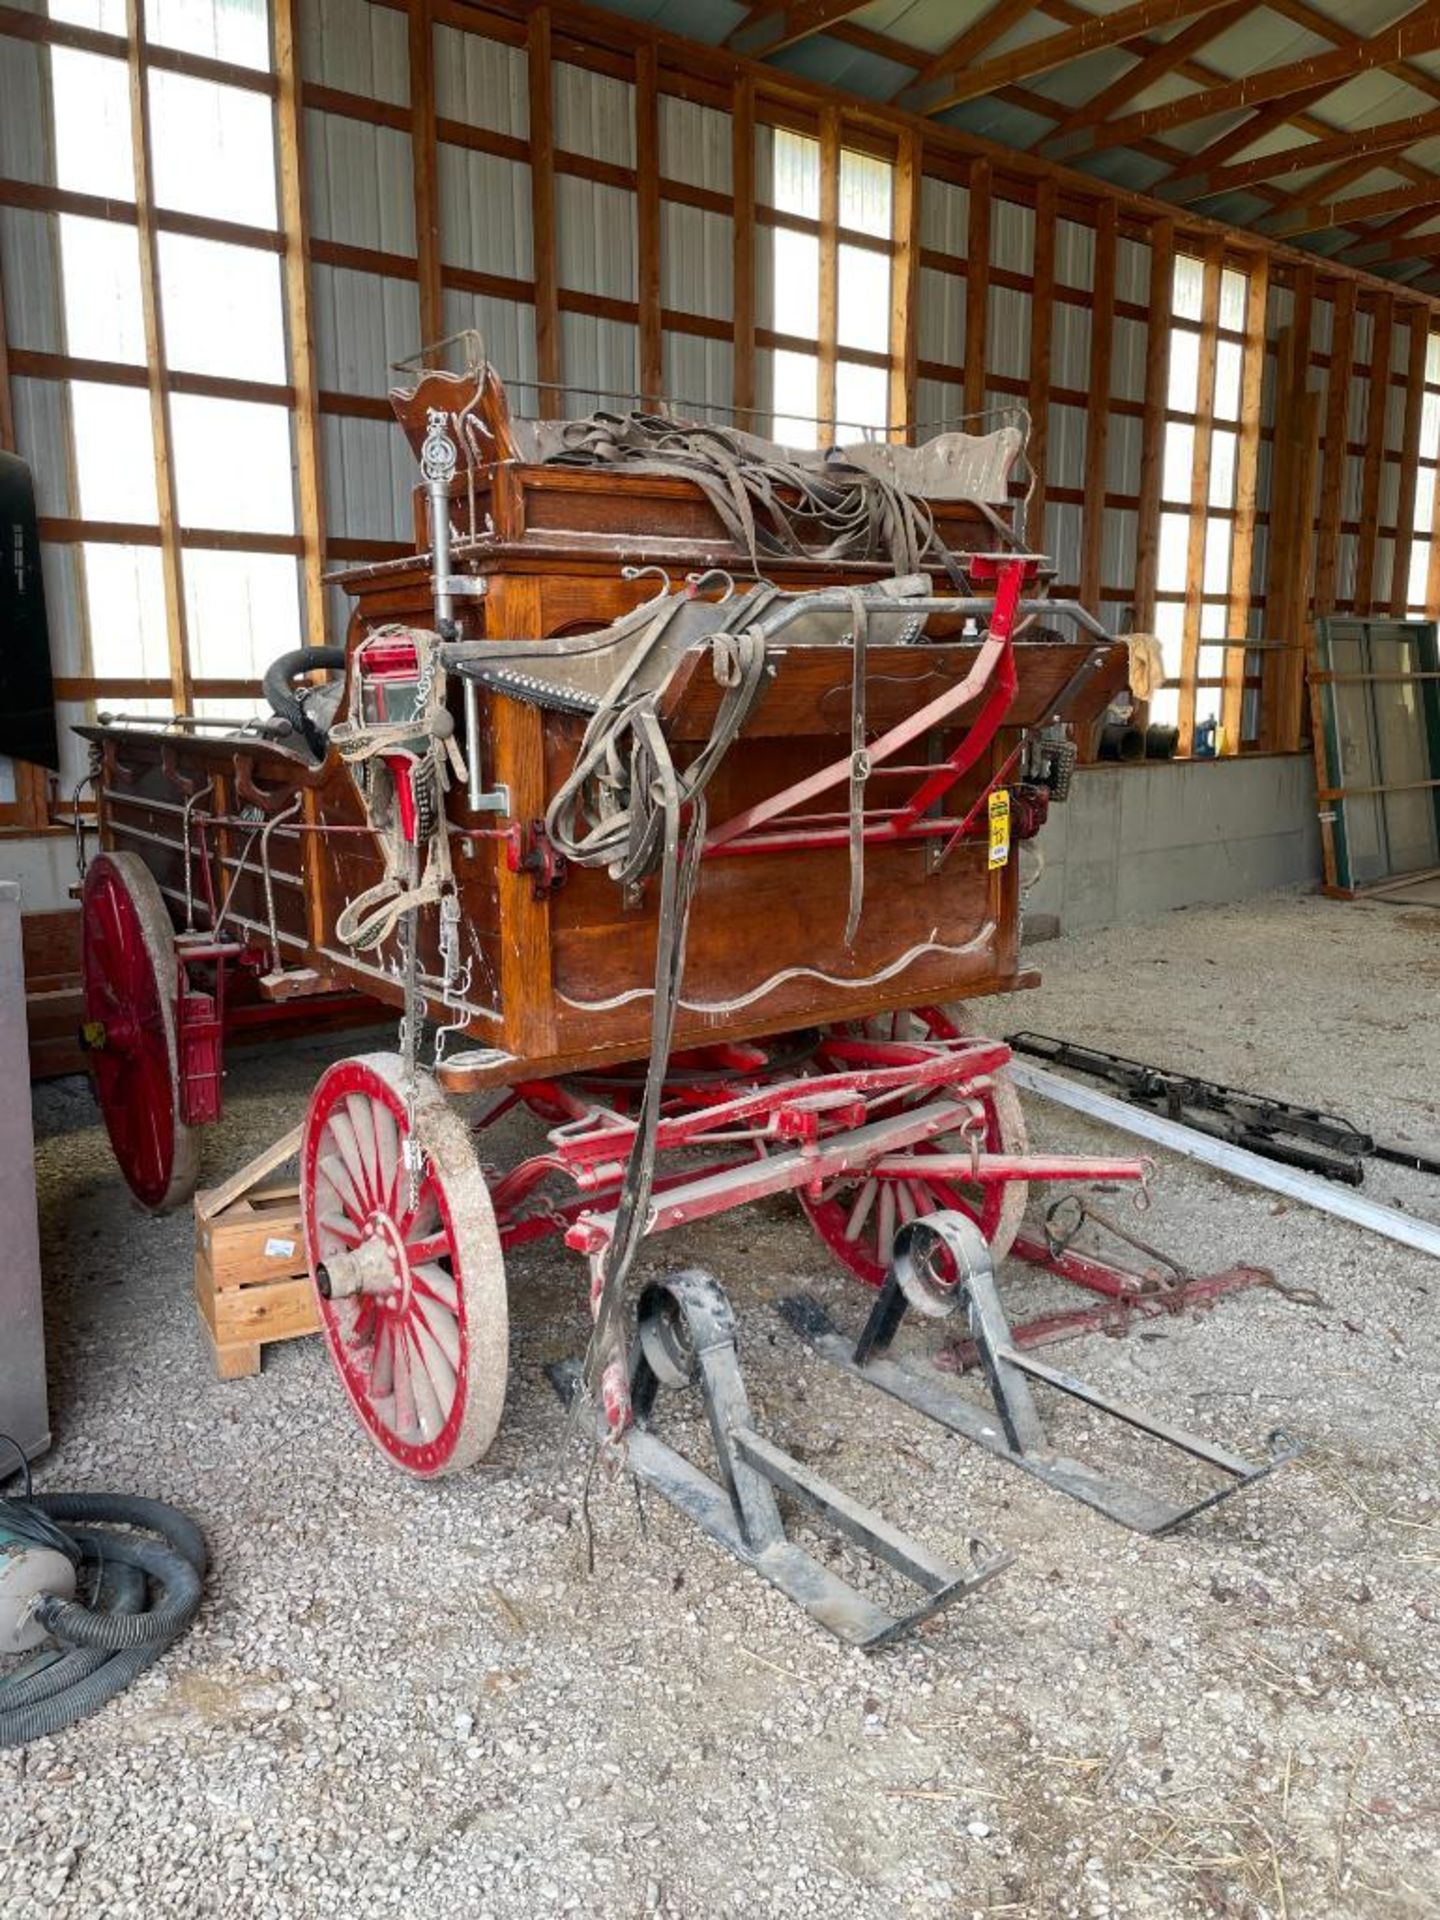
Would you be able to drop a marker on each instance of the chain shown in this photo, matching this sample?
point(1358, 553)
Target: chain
point(192, 801)
point(90, 778)
point(454, 976)
point(411, 1023)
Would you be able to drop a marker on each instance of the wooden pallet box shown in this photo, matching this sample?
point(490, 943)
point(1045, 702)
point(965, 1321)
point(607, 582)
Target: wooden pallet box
point(252, 1279)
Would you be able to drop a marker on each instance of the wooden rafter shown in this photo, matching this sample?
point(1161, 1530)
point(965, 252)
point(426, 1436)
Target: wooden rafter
point(1318, 215)
point(966, 47)
point(1416, 246)
point(769, 29)
point(1418, 34)
point(1151, 67)
point(1370, 143)
point(958, 80)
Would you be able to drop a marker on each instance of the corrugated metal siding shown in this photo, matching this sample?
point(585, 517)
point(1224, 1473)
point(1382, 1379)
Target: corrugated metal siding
point(361, 190)
point(42, 436)
point(1012, 237)
point(482, 82)
point(1066, 457)
point(941, 330)
point(696, 261)
point(944, 216)
point(508, 329)
point(485, 213)
point(30, 269)
point(694, 144)
point(369, 474)
point(355, 46)
point(594, 114)
point(595, 239)
point(24, 123)
point(1127, 359)
point(361, 324)
point(601, 359)
point(1122, 455)
point(1074, 254)
point(1007, 347)
point(1070, 346)
point(700, 374)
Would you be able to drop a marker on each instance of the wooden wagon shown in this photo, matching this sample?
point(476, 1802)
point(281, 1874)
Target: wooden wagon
point(854, 852)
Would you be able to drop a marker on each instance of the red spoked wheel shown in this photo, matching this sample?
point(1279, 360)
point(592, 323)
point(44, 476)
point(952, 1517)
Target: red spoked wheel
point(859, 1214)
point(411, 1296)
point(129, 969)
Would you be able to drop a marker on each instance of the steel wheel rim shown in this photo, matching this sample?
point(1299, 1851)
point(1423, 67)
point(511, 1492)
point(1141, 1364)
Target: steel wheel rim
point(134, 1070)
point(403, 1356)
point(858, 1218)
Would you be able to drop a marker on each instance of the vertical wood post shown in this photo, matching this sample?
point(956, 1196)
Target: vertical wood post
point(171, 565)
point(1152, 422)
point(548, 356)
point(829, 269)
point(1097, 413)
point(1199, 492)
point(742, 185)
point(1247, 475)
point(1037, 397)
point(905, 287)
point(423, 166)
point(1409, 462)
point(1377, 414)
point(647, 222)
point(977, 286)
point(303, 375)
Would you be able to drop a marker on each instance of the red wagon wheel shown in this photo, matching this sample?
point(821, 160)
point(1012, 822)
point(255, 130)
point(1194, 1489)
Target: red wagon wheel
point(128, 962)
point(411, 1297)
point(858, 1215)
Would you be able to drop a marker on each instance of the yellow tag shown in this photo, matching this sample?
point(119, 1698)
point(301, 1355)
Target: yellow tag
point(999, 827)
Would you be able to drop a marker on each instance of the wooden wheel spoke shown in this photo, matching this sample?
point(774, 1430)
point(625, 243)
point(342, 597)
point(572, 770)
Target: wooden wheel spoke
point(434, 1283)
point(342, 1132)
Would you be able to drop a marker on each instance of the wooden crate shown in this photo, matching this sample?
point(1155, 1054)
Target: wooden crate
point(252, 1282)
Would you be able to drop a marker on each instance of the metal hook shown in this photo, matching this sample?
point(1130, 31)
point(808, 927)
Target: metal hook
point(696, 583)
point(639, 573)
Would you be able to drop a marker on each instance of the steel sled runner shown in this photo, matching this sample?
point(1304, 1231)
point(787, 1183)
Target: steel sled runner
point(941, 1264)
point(686, 1337)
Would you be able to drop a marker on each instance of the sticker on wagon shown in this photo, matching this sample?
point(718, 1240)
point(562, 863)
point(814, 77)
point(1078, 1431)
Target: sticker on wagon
point(276, 1249)
point(999, 827)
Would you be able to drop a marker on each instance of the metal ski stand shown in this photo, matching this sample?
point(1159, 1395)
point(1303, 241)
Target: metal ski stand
point(687, 1336)
point(941, 1263)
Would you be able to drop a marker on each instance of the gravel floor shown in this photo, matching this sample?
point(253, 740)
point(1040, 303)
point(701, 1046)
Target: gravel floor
point(414, 1700)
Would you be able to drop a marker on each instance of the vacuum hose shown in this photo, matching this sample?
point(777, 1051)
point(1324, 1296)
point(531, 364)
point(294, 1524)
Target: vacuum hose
point(144, 1593)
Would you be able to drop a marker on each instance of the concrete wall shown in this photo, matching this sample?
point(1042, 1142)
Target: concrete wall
point(1134, 841)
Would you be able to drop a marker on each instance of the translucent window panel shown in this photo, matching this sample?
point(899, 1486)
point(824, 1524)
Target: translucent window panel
point(1418, 586)
point(1432, 359)
point(100, 273)
point(108, 16)
point(1165, 707)
point(223, 308)
point(796, 390)
point(1430, 426)
point(795, 164)
point(114, 453)
point(863, 317)
point(1184, 369)
point(1229, 357)
point(866, 185)
point(1207, 706)
point(1215, 619)
point(233, 30)
point(213, 149)
point(1210, 664)
point(232, 464)
point(1170, 631)
point(91, 98)
point(1179, 468)
point(1189, 287)
point(1174, 551)
point(242, 610)
point(1216, 578)
point(125, 605)
point(1224, 448)
point(797, 283)
point(862, 399)
point(1424, 499)
point(1233, 287)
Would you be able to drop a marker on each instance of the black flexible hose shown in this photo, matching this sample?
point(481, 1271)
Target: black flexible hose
point(104, 1646)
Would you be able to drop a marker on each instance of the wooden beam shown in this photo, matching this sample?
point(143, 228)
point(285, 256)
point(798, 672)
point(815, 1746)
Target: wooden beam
point(829, 269)
point(966, 47)
point(1418, 34)
point(647, 224)
point(1154, 66)
point(1292, 524)
point(171, 566)
point(305, 381)
point(1247, 473)
point(1337, 414)
point(1409, 463)
point(977, 286)
point(1152, 428)
point(1199, 491)
point(742, 183)
point(423, 162)
point(1375, 253)
point(905, 286)
point(1042, 309)
point(1097, 413)
point(1366, 142)
point(958, 81)
point(548, 356)
point(1318, 215)
point(1377, 412)
point(769, 29)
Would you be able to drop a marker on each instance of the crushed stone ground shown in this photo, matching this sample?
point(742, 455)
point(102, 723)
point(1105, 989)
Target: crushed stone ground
point(413, 1700)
